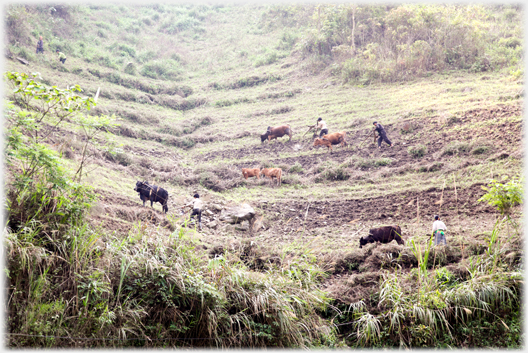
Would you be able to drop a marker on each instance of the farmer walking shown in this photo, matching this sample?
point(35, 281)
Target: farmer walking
point(196, 205)
point(439, 229)
point(382, 134)
point(321, 125)
point(40, 45)
point(62, 57)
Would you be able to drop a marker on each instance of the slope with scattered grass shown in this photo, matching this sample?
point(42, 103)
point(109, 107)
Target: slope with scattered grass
point(192, 87)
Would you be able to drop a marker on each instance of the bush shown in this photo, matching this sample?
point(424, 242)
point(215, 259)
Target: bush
point(382, 162)
point(146, 56)
point(481, 149)
point(130, 68)
point(359, 162)
point(267, 59)
point(186, 142)
point(456, 147)
point(453, 120)
point(417, 151)
point(167, 69)
point(281, 110)
point(336, 173)
point(504, 196)
point(25, 54)
point(296, 168)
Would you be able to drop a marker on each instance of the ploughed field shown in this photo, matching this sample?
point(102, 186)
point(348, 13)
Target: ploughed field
point(470, 130)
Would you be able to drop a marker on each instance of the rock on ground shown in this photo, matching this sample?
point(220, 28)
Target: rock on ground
point(237, 214)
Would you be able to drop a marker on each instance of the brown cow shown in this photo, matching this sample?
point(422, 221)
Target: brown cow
point(248, 173)
point(273, 173)
point(383, 235)
point(275, 132)
point(334, 138)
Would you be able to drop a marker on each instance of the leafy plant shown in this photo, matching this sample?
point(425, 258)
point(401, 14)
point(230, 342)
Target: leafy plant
point(296, 168)
point(417, 151)
point(503, 196)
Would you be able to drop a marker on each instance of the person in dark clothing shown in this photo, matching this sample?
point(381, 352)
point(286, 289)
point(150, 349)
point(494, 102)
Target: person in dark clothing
point(321, 125)
point(382, 135)
point(40, 45)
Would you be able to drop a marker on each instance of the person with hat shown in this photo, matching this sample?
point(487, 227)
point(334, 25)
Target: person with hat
point(40, 45)
point(62, 57)
point(439, 229)
point(382, 135)
point(321, 125)
point(196, 205)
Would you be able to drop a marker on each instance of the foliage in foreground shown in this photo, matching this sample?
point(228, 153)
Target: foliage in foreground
point(431, 306)
point(69, 281)
point(152, 290)
point(70, 286)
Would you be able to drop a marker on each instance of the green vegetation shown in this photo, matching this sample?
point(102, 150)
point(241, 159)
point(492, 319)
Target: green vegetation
point(417, 151)
point(179, 94)
point(504, 196)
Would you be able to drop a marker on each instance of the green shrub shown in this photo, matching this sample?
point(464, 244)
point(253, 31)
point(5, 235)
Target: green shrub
point(166, 69)
point(481, 149)
point(291, 179)
point(186, 142)
point(417, 151)
point(504, 196)
point(511, 42)
point(174, 25)
point(456, 147)
point(25, 54)
point(332, 174)
point(265, 163)
point(453, 120)
point(146, 56)
point(125, 50)
point(130, 68)
point(77, 70)
point(382, 162)
point(365, 163)
point(287, 40)
point(147, 21)
point(296, 168)
point(103, 25)
point(281, 110)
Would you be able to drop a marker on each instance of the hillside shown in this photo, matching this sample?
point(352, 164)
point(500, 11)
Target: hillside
point(184, 93)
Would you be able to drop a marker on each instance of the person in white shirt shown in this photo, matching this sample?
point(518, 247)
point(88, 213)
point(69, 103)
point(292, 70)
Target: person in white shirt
point(322, 125)
point(439, 229)
point(196, 205)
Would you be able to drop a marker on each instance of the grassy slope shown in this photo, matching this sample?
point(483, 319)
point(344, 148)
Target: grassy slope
point(427, 104)
point(487, 105)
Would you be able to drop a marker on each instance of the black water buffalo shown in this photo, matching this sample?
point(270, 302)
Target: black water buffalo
point(153, 193)
point(383, 235)
point(275, 132)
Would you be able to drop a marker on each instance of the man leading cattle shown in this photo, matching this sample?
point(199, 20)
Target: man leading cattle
point(382, 135)
point(321, 125)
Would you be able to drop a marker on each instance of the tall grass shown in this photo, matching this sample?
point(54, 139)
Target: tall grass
point(426, 311)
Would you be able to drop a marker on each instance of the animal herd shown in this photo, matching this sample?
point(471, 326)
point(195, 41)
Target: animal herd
point(271, 173)
point(335, 138)
point(154, 193)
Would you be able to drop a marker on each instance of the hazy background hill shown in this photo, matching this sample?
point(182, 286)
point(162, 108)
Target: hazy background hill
point(184, 93)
